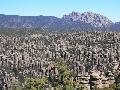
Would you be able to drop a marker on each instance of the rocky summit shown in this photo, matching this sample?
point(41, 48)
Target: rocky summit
point(94, 19)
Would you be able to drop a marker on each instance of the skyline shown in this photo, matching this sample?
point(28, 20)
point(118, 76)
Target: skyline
point(108, 8)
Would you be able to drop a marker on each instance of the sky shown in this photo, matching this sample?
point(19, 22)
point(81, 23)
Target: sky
point(58, 8)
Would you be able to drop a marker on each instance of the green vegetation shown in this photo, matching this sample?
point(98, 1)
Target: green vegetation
point(59, 82)
point(35, 84)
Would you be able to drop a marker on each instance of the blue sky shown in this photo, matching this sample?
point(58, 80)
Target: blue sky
point(108, 8)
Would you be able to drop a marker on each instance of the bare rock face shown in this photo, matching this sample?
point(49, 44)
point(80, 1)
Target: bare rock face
point(95, 20)
point(95, 80)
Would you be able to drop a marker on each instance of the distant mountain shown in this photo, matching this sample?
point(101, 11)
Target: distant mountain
point(115, 27)
point(94, 19)
point(73, 21)
point(44, 22)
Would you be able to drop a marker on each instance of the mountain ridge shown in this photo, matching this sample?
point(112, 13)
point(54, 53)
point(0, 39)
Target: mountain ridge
point(74, 20)
point(94, 19)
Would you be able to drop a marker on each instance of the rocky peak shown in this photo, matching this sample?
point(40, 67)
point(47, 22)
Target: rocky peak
point(89, 17)
point(74, 16)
